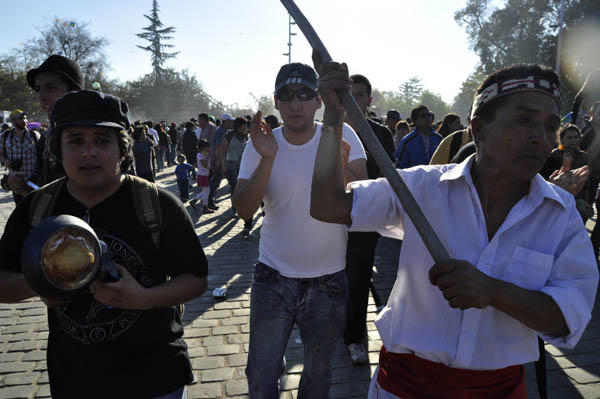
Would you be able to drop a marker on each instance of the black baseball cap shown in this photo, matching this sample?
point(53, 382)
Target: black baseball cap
point(89, 108)
point(61, 65)
point(296, 73)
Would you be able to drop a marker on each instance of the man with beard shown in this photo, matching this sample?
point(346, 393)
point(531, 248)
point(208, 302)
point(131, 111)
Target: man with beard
point(18, 152)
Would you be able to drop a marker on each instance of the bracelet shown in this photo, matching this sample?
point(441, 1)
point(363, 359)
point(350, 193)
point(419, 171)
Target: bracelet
point(331, 129)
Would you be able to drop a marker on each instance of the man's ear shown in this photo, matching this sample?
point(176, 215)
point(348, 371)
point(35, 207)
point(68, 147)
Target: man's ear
point(478, 125)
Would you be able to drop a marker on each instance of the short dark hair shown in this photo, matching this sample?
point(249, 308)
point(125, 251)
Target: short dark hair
point(123, 139)
point(516, 71)
point(239, 121)
point(564, 128)
point(403, 124)
point(358, 78)
point(272, 121)
point(203, 116)
point(444, 129)
point(415, 112)
point(202, 144)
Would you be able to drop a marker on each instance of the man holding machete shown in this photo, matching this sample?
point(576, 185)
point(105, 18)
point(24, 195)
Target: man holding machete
point(466, 326)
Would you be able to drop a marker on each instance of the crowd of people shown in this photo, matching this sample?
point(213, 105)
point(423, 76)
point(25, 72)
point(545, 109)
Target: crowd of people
point(468, 323)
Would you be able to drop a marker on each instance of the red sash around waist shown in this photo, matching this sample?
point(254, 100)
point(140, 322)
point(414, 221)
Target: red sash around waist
point(408, 376)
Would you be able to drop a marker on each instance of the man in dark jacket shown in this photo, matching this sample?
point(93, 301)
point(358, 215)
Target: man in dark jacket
point(360, 252)
point(188, 144)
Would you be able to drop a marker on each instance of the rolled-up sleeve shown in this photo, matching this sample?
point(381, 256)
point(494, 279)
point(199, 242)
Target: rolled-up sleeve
point(573, 282)
point(375, 207)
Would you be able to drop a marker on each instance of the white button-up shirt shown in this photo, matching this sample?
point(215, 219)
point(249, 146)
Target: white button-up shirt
point(542, 245)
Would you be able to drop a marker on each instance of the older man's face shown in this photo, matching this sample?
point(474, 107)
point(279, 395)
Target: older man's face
point(520, 137)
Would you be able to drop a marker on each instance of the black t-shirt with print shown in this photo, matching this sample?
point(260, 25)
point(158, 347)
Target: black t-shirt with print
point(100, 352)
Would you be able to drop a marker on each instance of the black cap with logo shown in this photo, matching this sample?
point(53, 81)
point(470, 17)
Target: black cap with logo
point(296, 73)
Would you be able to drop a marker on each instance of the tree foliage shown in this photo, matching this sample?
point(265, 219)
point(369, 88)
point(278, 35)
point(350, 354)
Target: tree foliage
point(156, 35)
point(409, 95)
point(69, 38)
point(527, 31)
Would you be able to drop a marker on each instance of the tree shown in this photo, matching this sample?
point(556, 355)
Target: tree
point(266, 106)
point(435, 103)
point(527, 31)
point(464, 99)
point(69, 38)
point(410, 91)
point(156, 36)
point(15, 92)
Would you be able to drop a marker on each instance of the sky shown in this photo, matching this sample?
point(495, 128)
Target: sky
point(235, 47)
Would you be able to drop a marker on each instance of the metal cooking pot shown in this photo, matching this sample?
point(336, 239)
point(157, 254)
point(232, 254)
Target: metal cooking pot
point(42, 245)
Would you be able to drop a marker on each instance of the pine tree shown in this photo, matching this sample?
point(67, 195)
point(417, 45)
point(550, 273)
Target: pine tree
point(156, 35)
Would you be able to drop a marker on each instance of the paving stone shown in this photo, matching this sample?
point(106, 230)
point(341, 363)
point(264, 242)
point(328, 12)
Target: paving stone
point(43, 392)
point(228, 305)
point(204, 323)
point(15, 367)
point(18, 392)
point(10, 357)
point(196, 332)
point(236, 387)
point(222, 350)
point(34, 356)
point(21, 378)
point(220, 374)
point(24, 346)
point(225, 330)
point(237, 360)
point(208, 362)
point(217, 314)
point(236, 320)
point(210, 341)
point(196, 352)
point(205, 391)
point(238, 338)
point(583, 376)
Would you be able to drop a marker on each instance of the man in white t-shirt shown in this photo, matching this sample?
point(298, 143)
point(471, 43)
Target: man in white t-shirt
point(299, 277)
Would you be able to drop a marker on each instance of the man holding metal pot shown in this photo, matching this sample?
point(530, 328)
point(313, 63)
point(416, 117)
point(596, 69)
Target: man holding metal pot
point(120, 339)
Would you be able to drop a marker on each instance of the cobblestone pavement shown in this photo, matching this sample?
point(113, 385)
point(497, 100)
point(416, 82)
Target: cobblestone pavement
point(217, 333)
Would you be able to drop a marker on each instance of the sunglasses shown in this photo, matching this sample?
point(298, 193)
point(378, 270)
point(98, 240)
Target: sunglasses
point(287, 95)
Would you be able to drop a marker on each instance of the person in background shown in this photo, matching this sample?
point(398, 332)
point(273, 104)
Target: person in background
point(183, 171)
point(450, 124)
point(392, 118)
point(203, 166)
point(142, 152)
point(402, 128)
point(417, 147)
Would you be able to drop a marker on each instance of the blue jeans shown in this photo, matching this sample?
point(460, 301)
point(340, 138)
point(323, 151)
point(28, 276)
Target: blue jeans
point(160, 157)
point(173, 154)
point(317, 305)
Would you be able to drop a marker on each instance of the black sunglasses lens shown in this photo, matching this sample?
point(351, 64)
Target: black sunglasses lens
point(288, 95)
point(285, 95)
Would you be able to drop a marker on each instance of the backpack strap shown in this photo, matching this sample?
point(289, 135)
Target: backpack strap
point(43, 201)
point(147, 205)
